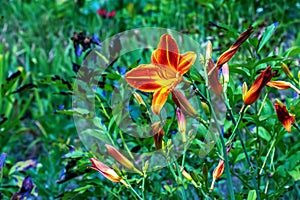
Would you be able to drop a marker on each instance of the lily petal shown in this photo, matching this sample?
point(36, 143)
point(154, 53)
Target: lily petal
point(285, 118)
point(167, 52)
point(227, 55)
point(159, 99)
point(183, 103)
point(213, 78)
point(149, 77)
point(186, 61)
point(260, 82)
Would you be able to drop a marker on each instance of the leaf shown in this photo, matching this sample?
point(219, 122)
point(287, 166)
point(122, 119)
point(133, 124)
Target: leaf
point(25, 87)
point(74, 154)
point(267, 34)
point(268, 59)
point(57, 81)
point(23, 165)
point(83, 189)
point(292, 52)
point(264, 134)
point(251, 195)
point(295, 173)
point(3, 119)
point(196, 76)
point(10, 82)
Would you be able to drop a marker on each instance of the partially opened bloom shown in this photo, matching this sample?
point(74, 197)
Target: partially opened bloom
point(285, 118)
point(106, 171)
point(158, 134)
point(218, 171)
point(163, 74)
point(260, 82)
point(282, 85)
point(227, 55)
point(181, 101)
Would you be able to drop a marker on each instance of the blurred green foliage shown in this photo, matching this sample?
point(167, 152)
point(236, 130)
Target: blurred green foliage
point(39, 136)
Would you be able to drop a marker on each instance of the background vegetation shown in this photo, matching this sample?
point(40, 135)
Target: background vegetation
point(40, 140)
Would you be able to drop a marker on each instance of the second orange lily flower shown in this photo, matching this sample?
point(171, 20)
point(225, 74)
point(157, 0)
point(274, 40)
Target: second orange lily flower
point(163, 74)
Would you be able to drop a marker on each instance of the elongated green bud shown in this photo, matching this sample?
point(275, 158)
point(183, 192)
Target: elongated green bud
point(287, 71)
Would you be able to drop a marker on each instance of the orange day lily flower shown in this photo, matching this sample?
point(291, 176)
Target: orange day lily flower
point(106, 171)
point(227, 55)
point(285, 118)
point(260, 82)
point(163, 74)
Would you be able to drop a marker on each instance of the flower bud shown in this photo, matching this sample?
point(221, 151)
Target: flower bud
point(218, 171)
point(186, 175)
point(287, 71)
point(209, 48)
point(201, 59)
point(106, 171)
point(244, 89)
point(139, 99)
point(158, 133)
point(205, 108)
point(260, 82)
point(227, 55)
point(213, 78)
point(225, 76)
point(182, 102)
point(120, 158)
point(181, 123)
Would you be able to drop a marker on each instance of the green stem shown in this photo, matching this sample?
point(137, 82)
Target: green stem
point(236, 125)
point(181, 179)
point(227, 169)
point(231, 138)
point(143, 186)
point(247, 156)
point(249, 162)
point(125, 145)
point(266, 158)
point(133, 190)
point(102, 107)
point(262, 105)
point(183, 157)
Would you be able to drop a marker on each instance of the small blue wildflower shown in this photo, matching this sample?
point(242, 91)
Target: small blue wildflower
point(2, 160)
point(78, 51)
point(96, 40)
